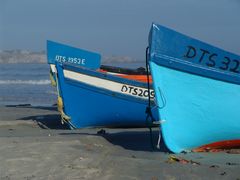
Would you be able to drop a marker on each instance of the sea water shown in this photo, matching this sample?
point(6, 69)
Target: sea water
point(28, 83)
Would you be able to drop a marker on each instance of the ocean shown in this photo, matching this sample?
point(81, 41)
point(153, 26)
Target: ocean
point(29, 83)
point(26, 83)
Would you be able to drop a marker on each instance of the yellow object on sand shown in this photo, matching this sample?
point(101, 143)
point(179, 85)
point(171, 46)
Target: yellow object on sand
point(60, 109)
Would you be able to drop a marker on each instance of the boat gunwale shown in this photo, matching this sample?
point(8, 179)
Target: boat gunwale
point(104, 75)
point(186, 66)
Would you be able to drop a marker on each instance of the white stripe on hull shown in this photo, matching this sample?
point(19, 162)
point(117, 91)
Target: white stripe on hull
point(126, 89)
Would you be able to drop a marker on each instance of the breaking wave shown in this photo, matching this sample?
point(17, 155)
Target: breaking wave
point(26, 82)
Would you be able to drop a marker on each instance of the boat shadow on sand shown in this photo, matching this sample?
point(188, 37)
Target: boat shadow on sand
point(51, 121)
point(128, 138)
point(45, 117)
point(136, 139)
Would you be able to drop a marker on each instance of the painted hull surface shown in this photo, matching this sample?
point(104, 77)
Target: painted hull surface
point(61, 53)
point(95, 99)
point(197, 87)
point(58, 53)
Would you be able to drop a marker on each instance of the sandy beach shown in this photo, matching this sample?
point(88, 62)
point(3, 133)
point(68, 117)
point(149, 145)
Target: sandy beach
point(35, 145)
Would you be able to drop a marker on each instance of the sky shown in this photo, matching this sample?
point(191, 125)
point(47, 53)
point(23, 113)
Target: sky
point(113, 27)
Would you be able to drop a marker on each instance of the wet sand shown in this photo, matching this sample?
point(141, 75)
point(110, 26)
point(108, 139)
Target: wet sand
point(35, 145)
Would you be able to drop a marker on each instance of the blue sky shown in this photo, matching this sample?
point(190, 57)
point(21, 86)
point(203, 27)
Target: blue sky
point(113, 27)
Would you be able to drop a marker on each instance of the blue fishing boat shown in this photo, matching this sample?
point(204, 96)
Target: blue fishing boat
point(197, 89)
point(90, 95)
point(90, 98)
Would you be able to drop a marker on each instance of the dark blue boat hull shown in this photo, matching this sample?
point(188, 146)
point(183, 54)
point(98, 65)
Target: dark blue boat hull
point(89, 104)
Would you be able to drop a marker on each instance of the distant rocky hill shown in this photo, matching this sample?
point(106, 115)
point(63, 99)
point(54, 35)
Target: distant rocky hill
point(118, 59)
point(23, 56)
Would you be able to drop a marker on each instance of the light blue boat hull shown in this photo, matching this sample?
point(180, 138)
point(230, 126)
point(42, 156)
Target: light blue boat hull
point(199, 104)
point(88, 105)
